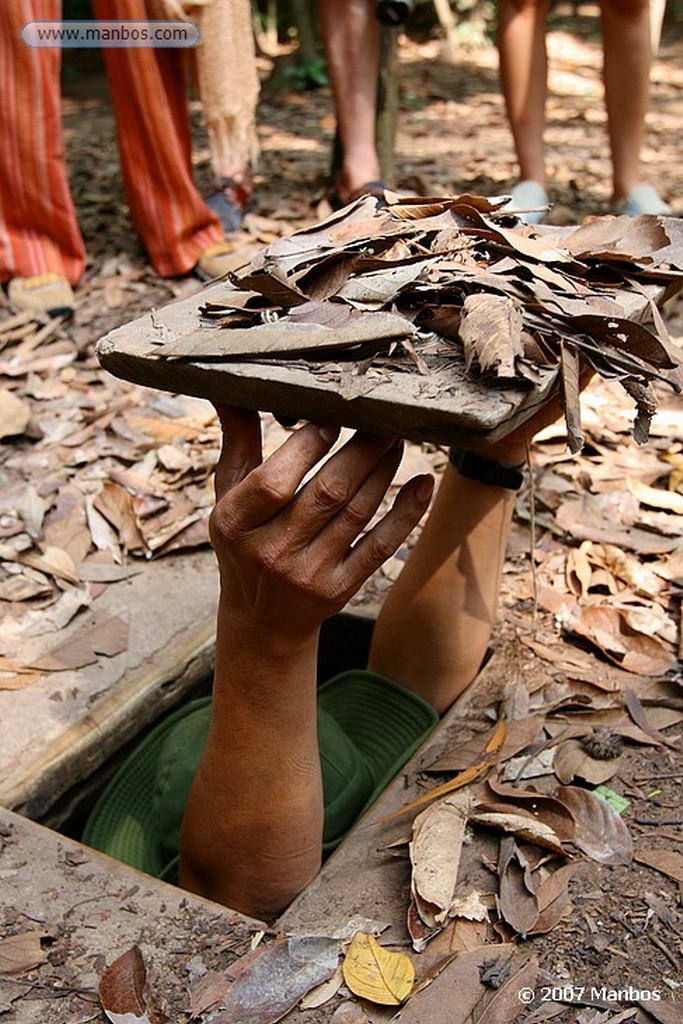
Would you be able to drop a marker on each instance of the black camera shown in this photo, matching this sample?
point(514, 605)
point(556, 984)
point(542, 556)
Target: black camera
point(394, 12)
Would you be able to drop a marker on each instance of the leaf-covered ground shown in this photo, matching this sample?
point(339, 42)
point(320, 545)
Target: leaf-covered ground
point(590, 636)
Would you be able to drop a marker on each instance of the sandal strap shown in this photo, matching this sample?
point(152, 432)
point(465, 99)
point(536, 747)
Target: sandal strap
point(339, 199)
point(237, 192)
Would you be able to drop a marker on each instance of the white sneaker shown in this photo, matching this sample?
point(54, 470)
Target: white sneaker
point(528, 201)
point(642, 199)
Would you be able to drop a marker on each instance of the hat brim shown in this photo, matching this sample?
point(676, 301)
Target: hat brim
point(122, 822)
point(384, 722)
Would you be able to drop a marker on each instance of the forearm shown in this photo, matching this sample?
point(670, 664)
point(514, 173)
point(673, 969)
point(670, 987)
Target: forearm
point(446, 597)
point(290, 556)
point(252, 831)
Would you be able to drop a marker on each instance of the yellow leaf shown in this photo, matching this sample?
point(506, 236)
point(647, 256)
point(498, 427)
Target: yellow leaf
point(377, 974)
point(481, 765)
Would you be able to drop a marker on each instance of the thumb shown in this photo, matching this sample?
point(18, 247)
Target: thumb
point(240, 447)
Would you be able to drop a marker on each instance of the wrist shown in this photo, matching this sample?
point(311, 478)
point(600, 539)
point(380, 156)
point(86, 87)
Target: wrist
point(264, 637)
point(513, 455)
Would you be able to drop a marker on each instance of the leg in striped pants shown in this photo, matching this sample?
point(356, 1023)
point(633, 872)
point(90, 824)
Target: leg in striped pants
point(38, 227)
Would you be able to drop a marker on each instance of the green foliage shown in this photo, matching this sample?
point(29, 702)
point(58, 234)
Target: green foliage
point(475, 21)
point(307, 74)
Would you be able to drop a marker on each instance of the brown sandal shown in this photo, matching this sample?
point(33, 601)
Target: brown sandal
point(338, 200)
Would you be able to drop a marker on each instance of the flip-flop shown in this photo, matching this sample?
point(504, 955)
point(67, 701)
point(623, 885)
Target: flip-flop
point(215, 262)
point(338, 200)
point(48, 293)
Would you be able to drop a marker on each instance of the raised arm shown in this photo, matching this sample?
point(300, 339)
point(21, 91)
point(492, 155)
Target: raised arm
point(289, 557)
point(434, 628)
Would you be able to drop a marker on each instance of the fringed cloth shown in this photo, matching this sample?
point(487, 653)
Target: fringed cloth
point(227, 78)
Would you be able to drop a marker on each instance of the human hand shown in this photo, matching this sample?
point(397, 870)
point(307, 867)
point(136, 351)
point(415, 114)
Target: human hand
point(291, 553)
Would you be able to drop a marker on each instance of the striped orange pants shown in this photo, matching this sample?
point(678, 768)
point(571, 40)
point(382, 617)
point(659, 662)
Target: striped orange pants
point(38, 227)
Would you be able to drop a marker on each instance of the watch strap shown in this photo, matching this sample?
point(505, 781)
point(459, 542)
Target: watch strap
point(486, 471)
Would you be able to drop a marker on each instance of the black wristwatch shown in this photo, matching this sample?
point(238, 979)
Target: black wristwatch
point(486, 471)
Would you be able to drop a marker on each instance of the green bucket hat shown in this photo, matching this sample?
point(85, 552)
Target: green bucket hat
point(368, 727)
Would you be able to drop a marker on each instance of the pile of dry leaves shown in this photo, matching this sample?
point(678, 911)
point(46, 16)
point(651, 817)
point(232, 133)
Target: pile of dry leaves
point(96, 476)
point(420, 285)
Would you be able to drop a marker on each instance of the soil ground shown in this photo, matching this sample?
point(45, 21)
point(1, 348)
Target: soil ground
point(625, 928)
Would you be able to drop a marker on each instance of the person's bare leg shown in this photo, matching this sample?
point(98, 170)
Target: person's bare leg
point(627, 60)
point(350, 33)
point(523, 71)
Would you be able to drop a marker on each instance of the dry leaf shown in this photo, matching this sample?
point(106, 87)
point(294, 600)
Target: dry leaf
point(521, 825)
point(491, 332)
point(527, 766)
point(106, 572)
point(516, 903)
point(459, 936)
point(435, 847)
point(32, 508)
point(550, 810)
point(553, 899)
point(420, 932)
point(571, 761)
point(519, 735)
point(174, 459)
point(349, 1013)
point(19, 953)
point(322, 993)
point(637, 713)
point(626, 567)
point(471, 906)
point(577, 664)
point(578, 569)
point(571, 387)
point(108, 637)
point(15, 414)
point(14, 675)
point(53, 561)
point(633, 651)
point(274, 981)
point(600, 831)
point(669, 862)
point(103, 536)
point(123, 990)
point(24, 587)
point(656, 497)
point(116, 505)
point(458, 985)
point(65, 524)
point(480, 766)
point(163, 430)
point(211, 989)
point(376, 973)
point(289, 337)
